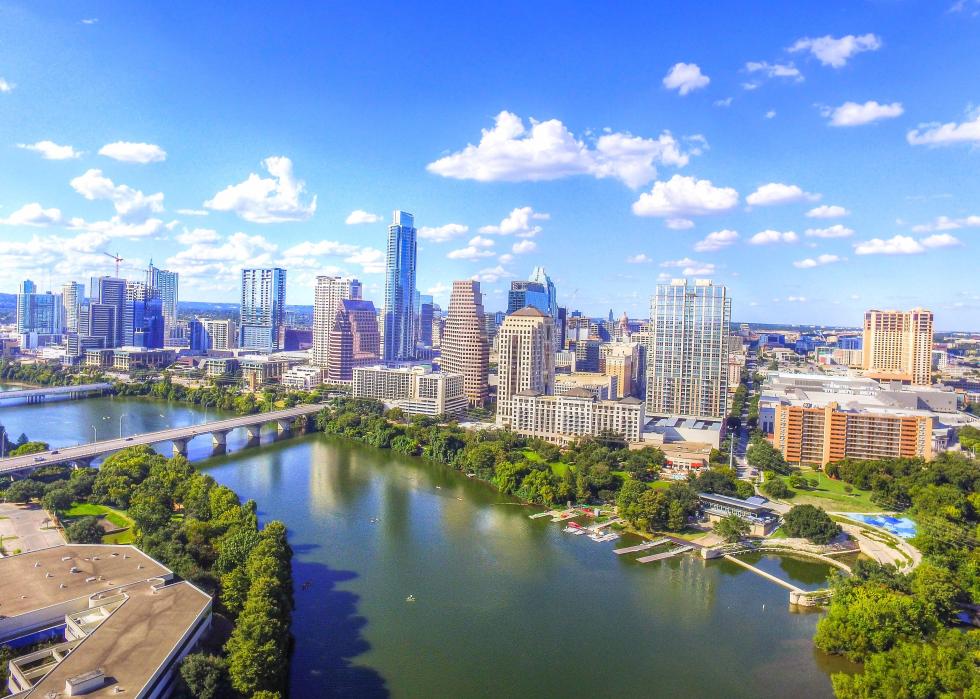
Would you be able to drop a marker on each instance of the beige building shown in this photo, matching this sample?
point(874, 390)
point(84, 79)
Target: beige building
point(526, 358)
point(416, 390)
point(129, 358)
point(354, 340)
point(601, 386)
point(303, 377)
point(898, 345)
point(622, 360)
point(463, 343)
point(327, 295)
point(223, 334)
point(565, 418)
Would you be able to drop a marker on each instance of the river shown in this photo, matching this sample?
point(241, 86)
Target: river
point(504, 606)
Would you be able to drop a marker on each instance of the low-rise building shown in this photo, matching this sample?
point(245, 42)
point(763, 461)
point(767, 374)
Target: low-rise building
point(601, 386)
point(669, 430)
point(215, 367)
point(98, 358)
point(416, 389)
point(753, 510)
point(562, 419)
point(129, 358)
point(303, 377)
point(259, 370)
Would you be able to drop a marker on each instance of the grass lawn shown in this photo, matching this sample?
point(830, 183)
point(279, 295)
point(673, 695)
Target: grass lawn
point(559, 468)
point(115, 517)
point(780, 533)
point(830, 495)
point(661, 485)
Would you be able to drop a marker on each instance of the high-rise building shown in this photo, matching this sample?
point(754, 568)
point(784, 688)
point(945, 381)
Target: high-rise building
point(107, 310)
point(166, 283)
point(327, 295)
point(210, 334)
point(425, 305)
point(687, 360)
point(262, 308)
point(399, 310)
point(72, 298)
point(540, 276)
point(464, 345)
point(37, 313)
point(354, 339)
point(897, 345)
point(526, 358)
point(524, 293)
point(143, 321)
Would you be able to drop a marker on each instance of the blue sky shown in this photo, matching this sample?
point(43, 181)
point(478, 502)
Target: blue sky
point(818, 158)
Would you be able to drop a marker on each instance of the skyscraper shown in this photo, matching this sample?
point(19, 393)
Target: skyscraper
point(425, 310)
point(262, 309)
point(166, 283)
point(327, 295)
point(354, 339)
point(524, 293)
point(72, 297)
point(526, 358)
point(37, 313)
point(688, 351)
point(143, 321)
point(107, 310)
point(399, 312)
point(464, 343)
point(897, 345)
point(541, 277)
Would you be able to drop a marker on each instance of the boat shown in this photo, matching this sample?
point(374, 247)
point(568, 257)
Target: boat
point(410, 598)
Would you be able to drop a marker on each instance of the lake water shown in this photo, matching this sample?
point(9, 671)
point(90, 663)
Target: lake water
point(504, 606)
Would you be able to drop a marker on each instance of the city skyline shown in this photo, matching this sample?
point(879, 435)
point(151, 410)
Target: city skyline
point(805, 140)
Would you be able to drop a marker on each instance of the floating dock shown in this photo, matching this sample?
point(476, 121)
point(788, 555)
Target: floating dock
point(641, 547)
point(666, 554)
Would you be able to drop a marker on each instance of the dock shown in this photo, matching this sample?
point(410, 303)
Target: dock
point(549, 513)
point(779, 581)
point(641, 547)
point(666, 554)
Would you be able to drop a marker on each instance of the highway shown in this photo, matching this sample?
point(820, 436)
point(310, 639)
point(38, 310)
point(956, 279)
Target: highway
point(85, 453)
point(33, 394)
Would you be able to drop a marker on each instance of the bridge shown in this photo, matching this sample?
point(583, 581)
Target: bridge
point(84, 454)
point(38, 395)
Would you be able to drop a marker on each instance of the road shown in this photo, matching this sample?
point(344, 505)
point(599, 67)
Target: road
point(87, 452)
point(742, 468)
point(24, 527)
point(29, 393)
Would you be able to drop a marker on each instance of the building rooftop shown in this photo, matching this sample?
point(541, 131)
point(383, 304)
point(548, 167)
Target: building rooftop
point(751, 504)
point(529, 312)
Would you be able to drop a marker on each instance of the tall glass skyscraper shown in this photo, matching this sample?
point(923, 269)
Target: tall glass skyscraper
point(399, 320)
point(166, 283)
point(539, 275)
point(107, 310)
point(72, 297)
point(687, 355)
point(263, 308)
point(40, 313)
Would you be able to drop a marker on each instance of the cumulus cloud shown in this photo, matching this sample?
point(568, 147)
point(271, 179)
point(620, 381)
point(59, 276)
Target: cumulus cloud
point(771, 114)
point(940, 240)
point(679, 224)
point(523, 246)
point(273, 199)
point(192, 212)
point(129, 152)
point(828, 211)
point(519, 222)
point(727, 102)
point(769, 236)
point(33, 215)
point(360, 216)
point(836, 52)
point(640, 259)
point(778, 193)
point(689, 267)
point(67, 257)
point(475, 249)
point(6, 86)
point(774, 70)
point(221, 259)
point(855, 114)
point(683, 196)
point(896, 245)
point(685, 78)
point(818, 261)
point(197, 235)
point(440, 234)
point(945, 223)
point(835, 231)
point(716, 241)
point(491, 275)
point(510, 152)
point(936, 134)
point(49, 150)
point(131, 204)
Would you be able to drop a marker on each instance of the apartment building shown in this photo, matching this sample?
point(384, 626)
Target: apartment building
point(562, 419)
point(416, 390)
point(897, 345)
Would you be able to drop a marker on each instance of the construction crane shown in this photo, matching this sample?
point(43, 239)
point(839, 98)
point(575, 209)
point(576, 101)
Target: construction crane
point(116, 258)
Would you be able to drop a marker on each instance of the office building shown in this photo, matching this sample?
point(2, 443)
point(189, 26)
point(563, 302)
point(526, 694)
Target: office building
point(166, 283)
point(303, 377)
point(527, 293)
point(221, 334)
point(354, 339)
point(327, 295)
point(464, 345)
point(897, 345)
point(563, 419)
point(72, 299)
point(424, 317)
point(525, 358)
point(107, 310)
point(416, 390)
point(263, 306)
point(551, 292)
point(687, 358)
point(601, 386)
point(399, 309)
point(143, 320)
point(37, 313)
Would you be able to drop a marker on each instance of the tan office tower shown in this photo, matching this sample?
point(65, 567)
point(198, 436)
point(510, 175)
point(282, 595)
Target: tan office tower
point(526, 358)
point(354, 339)
point(898, 345)
point(463, 343)
point(328, 294)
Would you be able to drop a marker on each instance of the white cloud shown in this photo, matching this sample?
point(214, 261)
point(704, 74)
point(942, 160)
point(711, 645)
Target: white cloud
point(679, 224)
point(90, 20)
point(523, 246)
point(896, 245)
point(371, 260)
point(835, 231)
point(131, 204)
point(640, 259)
point(438, 289)
point(796, 299)
point(774, 70)
point(771, 114)
point(491, 275)
point(854, 114)
point(936, 134)
point(836, 52)
point(50, 150)
point(778, 193)
point(192, 212)
point(440, 234)
point(940, 240)
point(716, 241)
point(519, 223)
point(221, 259)
point(360, 216)
point(727, 102)
point(685, 78)
point(320, 248)
point(689, 267)
point(945, 223)
point(273, 199)
point(6, 86)
point(197, 235)
point(129, 152)
point(768, 237)
point(818, 261)
point(828, 211)
point(510, 152)
point(682, 196)
point(33, 215)
point(505, 259)
point(476, 249)
point(121, 227)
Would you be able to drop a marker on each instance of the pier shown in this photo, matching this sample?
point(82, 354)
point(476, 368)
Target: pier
point(641, 547)
point(666, 554)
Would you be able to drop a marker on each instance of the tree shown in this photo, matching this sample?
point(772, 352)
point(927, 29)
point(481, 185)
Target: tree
point(23, 491)
point(86, 530)
point(809, 522)
point(57, 499)
point(29, 448)
point(774, 487)
point(938, 587)
point(731, 528)
point(763, 455)
point(204, 677)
